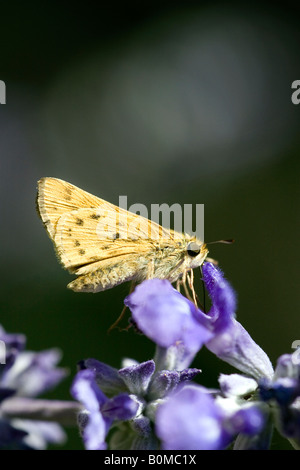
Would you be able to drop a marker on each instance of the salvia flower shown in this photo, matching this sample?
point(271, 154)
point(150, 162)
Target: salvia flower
point(23, 376)
point(155, 404)
point(282, 393)
point(193, 419)
point(100, 411)
point(169, 319)
point(124, 401)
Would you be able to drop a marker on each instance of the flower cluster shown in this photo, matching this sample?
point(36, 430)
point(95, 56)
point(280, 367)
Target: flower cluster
point(155, 404)
point(24, 420)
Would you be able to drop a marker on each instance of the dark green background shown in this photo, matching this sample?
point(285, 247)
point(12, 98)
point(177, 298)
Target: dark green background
point(189, 103)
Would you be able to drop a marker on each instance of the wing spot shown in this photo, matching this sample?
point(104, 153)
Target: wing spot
point(79, 221)
point(82, 252)
point(77, 243)
point(95, 216)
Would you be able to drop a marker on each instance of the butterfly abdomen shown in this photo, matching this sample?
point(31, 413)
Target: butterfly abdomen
point(102, 279)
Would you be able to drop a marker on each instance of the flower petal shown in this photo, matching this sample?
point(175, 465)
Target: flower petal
point(86, 390)
point(40, 433)
point(236, 347)
point(222, 296)
point(236, 385)
point(14, 344)
point(248, 420)
point(120, 407)
point(34, 373)
point(191, 420)
point(166, 317)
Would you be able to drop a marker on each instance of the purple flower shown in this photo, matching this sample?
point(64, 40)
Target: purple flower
point(193, 420)
point(100, 411)
point(248, 420)
point(135, 391)
point(235, 346)
point(38, 434)
point(282, 391)
point(26, 374)
point(284, 387)
point(253, 418)
point(236, 385)
point(190, 420)
point(174, 323)
point(168, 411)
point(13, 345)
point(106, 377)
point(34, 373)
point(222, 312)
point(168, 318)
point(231, 342)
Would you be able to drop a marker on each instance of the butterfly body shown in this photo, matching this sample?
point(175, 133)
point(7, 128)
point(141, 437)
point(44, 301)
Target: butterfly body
point(105, 245)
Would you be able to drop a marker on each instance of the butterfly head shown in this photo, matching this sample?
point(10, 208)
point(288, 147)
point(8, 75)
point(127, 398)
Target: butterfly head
point(196, 252)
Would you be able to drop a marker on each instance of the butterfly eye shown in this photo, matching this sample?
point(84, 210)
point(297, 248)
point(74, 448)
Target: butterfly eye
point(193, 249)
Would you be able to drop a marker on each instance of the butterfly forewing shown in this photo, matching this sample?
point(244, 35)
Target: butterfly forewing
point(57, 197)
point(104, 244)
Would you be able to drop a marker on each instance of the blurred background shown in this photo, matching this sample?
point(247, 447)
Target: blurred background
point(188, 102)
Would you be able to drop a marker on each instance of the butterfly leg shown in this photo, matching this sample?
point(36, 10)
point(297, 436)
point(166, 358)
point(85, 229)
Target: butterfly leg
point(183, 282)
point(132, 286)
point(184, 276)
point(190, 279)
point(179, 283)
point(150, 271)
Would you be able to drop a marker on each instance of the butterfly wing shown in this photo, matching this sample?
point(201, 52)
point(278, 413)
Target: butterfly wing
point(57, 197)
point(86, 237)
point(103, 244)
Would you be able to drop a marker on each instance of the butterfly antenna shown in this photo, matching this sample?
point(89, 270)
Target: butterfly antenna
point(226, 242)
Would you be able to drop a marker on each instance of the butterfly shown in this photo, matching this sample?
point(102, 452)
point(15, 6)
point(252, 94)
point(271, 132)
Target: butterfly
point(105, 245)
